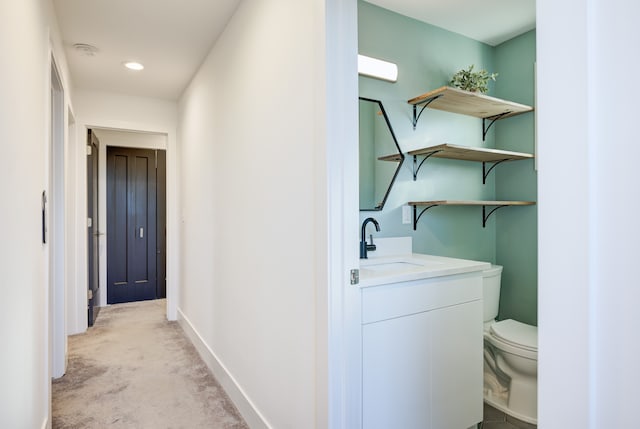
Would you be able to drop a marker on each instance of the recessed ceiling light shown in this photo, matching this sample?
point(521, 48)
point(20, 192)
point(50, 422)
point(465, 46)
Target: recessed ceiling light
point(132, 65)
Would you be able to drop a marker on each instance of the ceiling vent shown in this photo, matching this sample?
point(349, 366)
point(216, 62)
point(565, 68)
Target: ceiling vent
point(85, 49)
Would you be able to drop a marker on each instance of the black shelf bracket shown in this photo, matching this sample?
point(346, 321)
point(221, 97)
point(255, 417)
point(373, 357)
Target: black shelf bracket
point(485, 215)
point(416, 115)
point(485, 172)
point(493, 119)
point(416, 166)
point(416, 216)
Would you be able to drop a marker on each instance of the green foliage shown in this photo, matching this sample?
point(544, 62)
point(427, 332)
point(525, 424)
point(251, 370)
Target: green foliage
point(472, 81)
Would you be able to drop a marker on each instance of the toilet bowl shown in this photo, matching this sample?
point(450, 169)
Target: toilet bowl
point(510, 357)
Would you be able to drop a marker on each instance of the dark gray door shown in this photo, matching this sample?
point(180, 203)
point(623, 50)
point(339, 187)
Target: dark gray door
point(92, 232)
point(131, 225)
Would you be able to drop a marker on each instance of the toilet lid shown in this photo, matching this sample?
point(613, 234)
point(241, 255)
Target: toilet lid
point(517, 334)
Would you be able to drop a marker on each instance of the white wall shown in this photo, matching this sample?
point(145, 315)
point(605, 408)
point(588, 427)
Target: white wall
point(563, 217)
point(131, 139)
point(253, 253)
point(616, 236)
point(120, 139)
point(157, 118)
point(28, 38)
point(588, 214)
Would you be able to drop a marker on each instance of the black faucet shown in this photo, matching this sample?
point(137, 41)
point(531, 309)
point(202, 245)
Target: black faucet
point(364, 246)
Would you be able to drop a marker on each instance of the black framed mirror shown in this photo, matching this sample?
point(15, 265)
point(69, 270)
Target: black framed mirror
point(380, 155)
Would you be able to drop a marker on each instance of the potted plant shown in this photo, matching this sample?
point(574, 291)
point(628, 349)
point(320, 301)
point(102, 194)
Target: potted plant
point(469, 80)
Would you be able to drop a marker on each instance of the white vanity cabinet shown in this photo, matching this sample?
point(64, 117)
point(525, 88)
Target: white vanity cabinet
point(422, 353)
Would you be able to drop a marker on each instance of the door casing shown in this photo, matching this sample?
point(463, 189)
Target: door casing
point(55, 221)
point(93, 231)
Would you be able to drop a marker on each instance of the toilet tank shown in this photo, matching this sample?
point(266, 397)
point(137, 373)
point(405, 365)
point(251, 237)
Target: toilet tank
point(491, 292)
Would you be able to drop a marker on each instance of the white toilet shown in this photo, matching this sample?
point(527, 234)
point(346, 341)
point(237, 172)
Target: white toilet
point(510, 357)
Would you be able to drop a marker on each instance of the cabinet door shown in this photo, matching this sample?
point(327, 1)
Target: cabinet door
point(396, 387)
point(456, 359)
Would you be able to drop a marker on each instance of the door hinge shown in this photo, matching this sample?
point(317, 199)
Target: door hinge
point(89, 222)
point(88, 150)
point(90, 294)
point(355, 276)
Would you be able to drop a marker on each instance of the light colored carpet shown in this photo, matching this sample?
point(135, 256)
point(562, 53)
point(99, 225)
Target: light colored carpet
point(134, 369)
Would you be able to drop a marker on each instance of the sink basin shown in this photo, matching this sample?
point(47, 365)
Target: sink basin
point(396, 264)
point(391, 266)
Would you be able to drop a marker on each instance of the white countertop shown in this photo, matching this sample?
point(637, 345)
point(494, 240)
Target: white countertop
point(413, 266)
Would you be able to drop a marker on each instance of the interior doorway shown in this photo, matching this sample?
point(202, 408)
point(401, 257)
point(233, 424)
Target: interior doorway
point(93, 233)
point(53, 222)
point(112, 139)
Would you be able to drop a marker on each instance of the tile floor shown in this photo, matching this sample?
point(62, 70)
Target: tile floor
point(496, 419)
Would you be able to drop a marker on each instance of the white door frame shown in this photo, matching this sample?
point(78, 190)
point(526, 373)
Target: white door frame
point(56, 221)
point(342, 302)
point(102, 202)
point(172, 224)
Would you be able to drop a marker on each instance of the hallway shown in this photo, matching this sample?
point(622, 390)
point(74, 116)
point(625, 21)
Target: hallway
point(134, 369)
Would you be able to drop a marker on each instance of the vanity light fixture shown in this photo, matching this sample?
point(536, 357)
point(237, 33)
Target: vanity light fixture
point(132, 65)
point(378, 69)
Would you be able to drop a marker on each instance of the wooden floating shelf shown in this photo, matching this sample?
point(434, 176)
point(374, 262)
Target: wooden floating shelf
point(496, 204)
point(470, 203)
point(469, 103)
point(395, 157)
point(466, 153)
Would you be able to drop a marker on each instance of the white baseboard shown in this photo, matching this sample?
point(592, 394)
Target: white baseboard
point(251, 415)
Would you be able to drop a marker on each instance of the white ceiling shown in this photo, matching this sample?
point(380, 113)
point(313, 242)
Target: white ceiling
point(172, 37)
point(489, 21)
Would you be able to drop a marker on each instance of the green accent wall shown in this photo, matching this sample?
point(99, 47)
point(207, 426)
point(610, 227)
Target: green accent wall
point(517, 228)
point(427, 56)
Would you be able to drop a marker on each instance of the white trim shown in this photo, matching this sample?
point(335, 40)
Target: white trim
point(102, 201)
point(75, 230)
point(344, 350)
point(82, 125)
point(45, 423)
point(77, 287)
point(58, 215)
point(247, 409)
point(46, 248)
